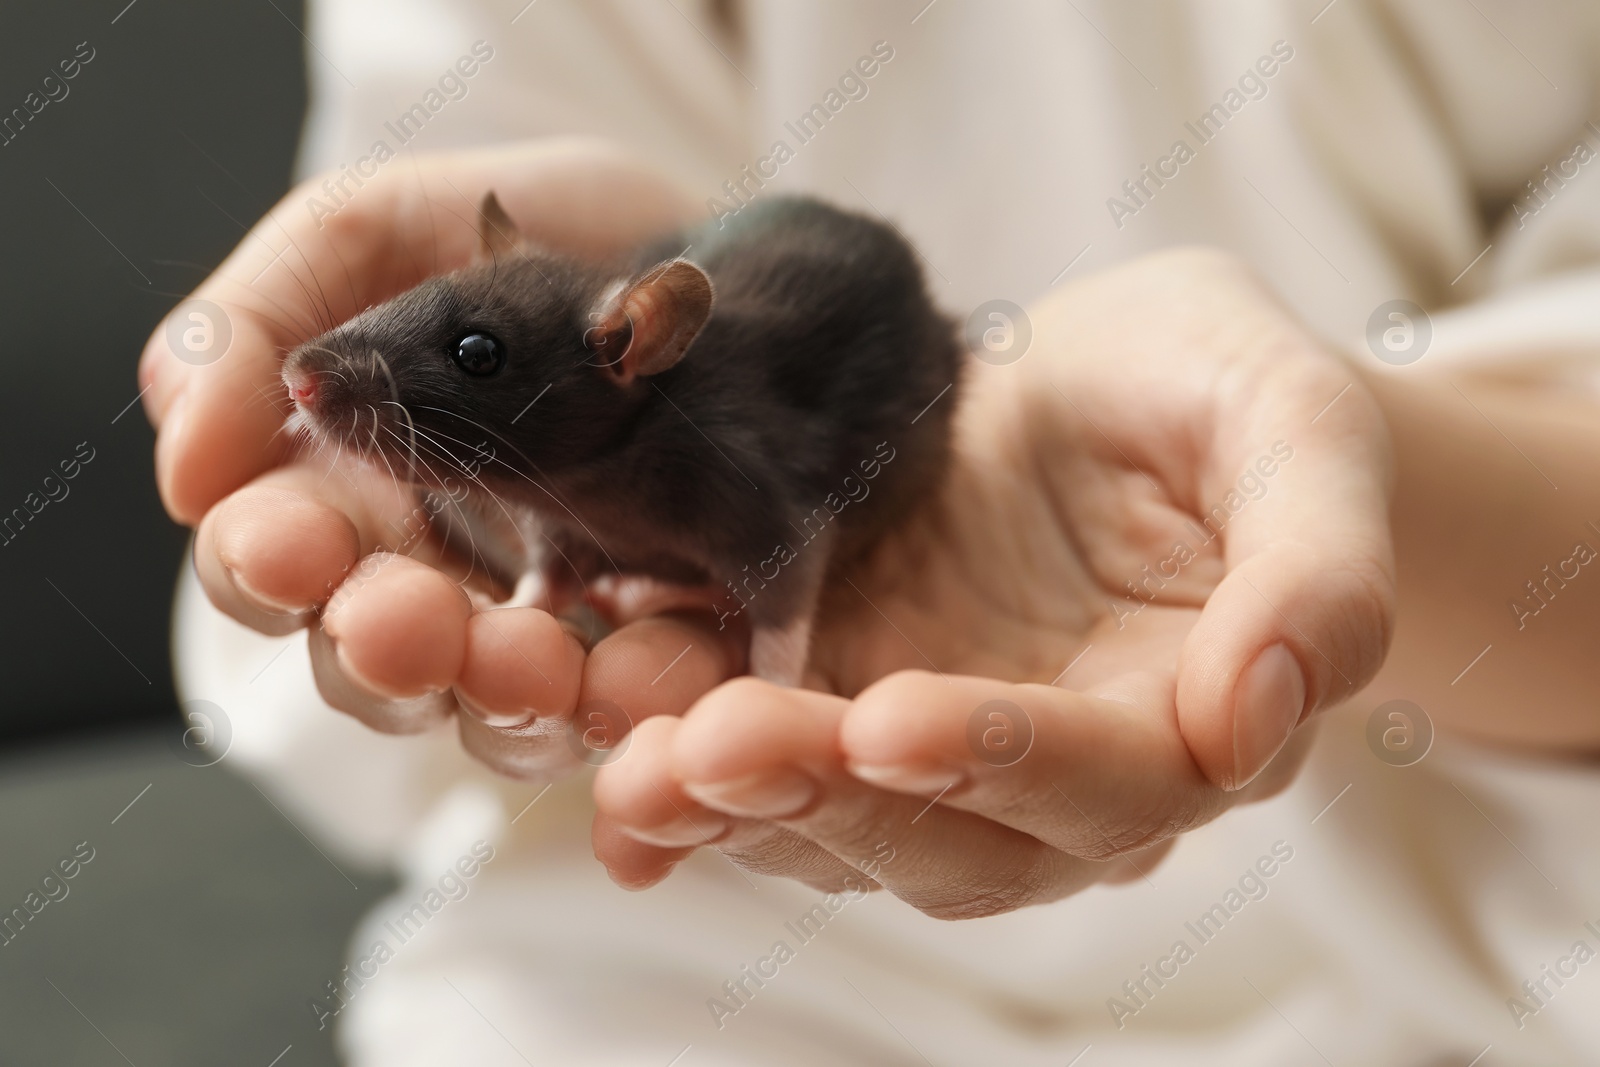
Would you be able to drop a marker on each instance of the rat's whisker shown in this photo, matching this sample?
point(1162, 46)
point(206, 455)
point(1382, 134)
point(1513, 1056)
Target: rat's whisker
point(323, 443)
point(516, 525)
point(383, 365)
point(409, 448)
point(285, 429)
point(543, 489)
point(433, 230)
point(321, 320)
point(339, 359)
point(458, 465)
point(321, 304)
point(285, 321)
point(465, 523)
point(376, 449)
point(349, 281)
point(418, 271)
point(415, 461)
point(261, 398)
point(394, 388)
point(476, 479)
point(248, 287)
point(411, 424)
point(572, 567)
point(484, 491)
point(383, 453)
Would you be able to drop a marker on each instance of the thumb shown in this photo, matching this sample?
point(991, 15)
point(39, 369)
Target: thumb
point(1304, 616)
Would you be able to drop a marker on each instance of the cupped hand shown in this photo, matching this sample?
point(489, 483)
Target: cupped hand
point(1163, 547)
point(286, 541)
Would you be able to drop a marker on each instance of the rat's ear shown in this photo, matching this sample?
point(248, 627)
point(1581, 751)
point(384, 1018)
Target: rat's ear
point(644, 326)
point(497, 234)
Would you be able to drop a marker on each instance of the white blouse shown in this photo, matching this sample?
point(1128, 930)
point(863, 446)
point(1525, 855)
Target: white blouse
point(1356, 152)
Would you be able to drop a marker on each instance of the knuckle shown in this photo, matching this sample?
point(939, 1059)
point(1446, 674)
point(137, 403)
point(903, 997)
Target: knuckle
point(896, 692)
point(766, 848)
point(1130, 838)
point(738, 697)
point(1374, 594)
point(1373, 602)
point(1144, 823)
point(843, 881)
point(357, 698)
point(1358, 599)
point(980, 906)
point(981, 902)
point(1034, 877)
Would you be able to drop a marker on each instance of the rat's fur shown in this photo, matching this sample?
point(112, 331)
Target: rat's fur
point(821, 351)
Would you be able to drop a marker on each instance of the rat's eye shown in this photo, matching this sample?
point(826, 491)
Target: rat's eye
point(479, 354)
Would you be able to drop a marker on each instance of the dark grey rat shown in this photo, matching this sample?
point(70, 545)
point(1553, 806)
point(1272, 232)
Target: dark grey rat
point(740, 408)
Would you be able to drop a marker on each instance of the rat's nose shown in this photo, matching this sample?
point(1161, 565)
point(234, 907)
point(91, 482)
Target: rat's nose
point(302, 386)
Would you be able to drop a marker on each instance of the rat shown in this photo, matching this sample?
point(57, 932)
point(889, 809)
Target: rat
point(738, 409)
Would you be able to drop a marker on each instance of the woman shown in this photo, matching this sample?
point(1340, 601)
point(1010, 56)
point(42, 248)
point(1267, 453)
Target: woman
point(1179, 527)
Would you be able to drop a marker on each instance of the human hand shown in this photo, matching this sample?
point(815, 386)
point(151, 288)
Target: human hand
point(1070, 546)
point(286, 541)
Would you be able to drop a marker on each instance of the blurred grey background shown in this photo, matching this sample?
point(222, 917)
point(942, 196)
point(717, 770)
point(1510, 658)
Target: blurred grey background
point(205, 921)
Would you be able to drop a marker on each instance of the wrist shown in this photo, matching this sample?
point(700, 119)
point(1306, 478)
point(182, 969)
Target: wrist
point(1495, 493)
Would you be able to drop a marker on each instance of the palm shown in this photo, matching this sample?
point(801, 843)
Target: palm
point(1025, 560)
point(1147, 392)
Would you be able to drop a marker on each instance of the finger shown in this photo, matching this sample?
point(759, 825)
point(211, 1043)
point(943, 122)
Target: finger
point(1304, 616)
point(631, 863)
point(268, 557)
point(648, 668)
point(1286, 456)
point(639, 794)
point(639, 797)
point(539, 750)
point(1132, 868)
point(280, 606)
point(659, 666)
point(274, 551)
point(300, 272)
point(519, 684)
point(385, 714)
point(1284, 768)
point(391, 643)
point(756, 750)
point(218, 411)
point(1088, 775)
point(520, 664)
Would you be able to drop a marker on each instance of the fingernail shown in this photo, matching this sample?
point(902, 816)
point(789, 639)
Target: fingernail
point(263, 601)
point(902, 779)
point(1267, 704)
point(361, 680)
point(639, 884)
point(500, 720)
point(151, 394)
point(768, 794)
point(170, 436)
point(680, 832)
point(175, 417)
